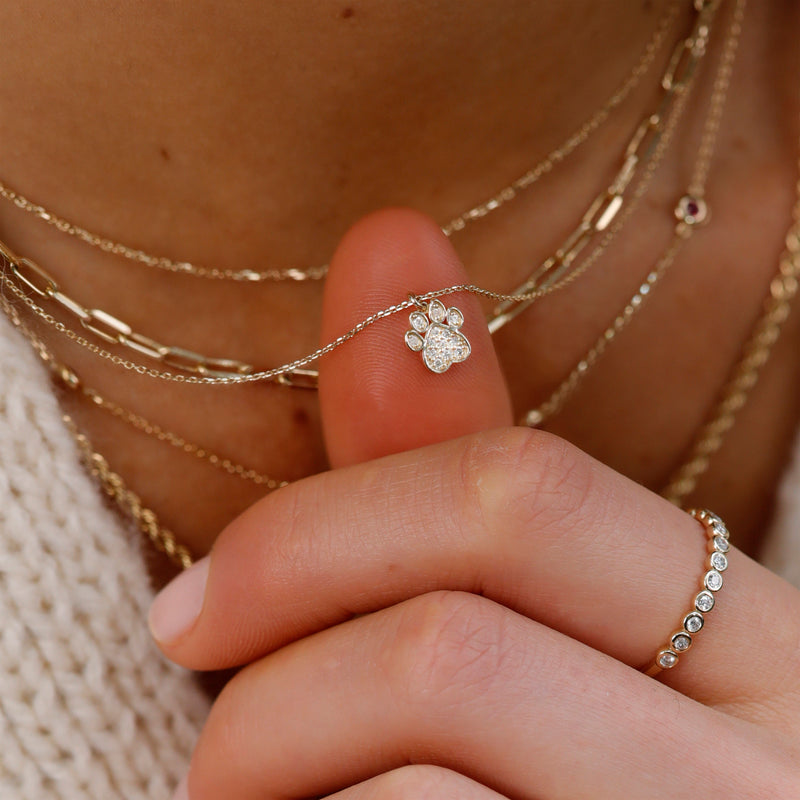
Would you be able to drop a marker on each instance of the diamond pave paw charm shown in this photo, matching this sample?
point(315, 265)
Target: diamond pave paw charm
point(435, 332)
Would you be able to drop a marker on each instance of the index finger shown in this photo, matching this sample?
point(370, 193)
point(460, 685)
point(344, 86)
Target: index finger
point(518, 516)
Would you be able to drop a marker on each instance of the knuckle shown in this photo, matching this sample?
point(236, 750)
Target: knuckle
point(526, 479)
point(449, 648)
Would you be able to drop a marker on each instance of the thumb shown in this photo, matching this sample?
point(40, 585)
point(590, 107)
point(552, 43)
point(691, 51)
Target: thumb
point(377, 397)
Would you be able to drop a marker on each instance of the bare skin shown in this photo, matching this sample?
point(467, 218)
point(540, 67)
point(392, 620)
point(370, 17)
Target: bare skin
point(202, 134)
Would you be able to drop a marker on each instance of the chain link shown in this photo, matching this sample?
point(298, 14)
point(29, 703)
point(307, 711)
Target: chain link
point(558, 398)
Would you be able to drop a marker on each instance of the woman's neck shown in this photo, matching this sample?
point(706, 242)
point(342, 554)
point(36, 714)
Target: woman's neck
point(239, 136)
point(223, 132)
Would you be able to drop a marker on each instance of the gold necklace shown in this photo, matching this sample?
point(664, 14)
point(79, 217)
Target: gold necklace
point(690, 211)
point(645, 149)
point(757, 351)
point(499, 199)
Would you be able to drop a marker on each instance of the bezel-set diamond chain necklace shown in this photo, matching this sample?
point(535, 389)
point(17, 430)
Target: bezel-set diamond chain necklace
point(643, 152)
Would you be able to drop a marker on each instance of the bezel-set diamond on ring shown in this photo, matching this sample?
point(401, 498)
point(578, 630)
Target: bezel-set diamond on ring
point(717, 562)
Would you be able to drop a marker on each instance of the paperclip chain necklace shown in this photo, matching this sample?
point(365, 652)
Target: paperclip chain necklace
point(70, 379)
point(645, 149)
point(690, 211)
point(499, 199)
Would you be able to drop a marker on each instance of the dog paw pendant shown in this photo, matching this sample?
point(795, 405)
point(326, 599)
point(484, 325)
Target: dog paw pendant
point(435, 333)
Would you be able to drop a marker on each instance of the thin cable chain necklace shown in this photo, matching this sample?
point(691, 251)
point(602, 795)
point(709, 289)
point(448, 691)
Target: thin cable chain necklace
point(677, 82)
point(499, 199)
point(644, 151)
point(745, 374)
point(690, 211)
point(68, 377)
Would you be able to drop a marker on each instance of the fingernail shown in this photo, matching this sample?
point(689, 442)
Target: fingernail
point(177, 606)
point(182, 792)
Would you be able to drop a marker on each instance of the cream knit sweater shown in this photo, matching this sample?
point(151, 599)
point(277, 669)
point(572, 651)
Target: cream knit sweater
point(89, 709)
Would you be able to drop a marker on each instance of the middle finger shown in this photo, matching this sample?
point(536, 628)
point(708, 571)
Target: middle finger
point(456, 681)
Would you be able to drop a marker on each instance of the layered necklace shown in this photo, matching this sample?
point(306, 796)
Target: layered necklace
point(435, 330)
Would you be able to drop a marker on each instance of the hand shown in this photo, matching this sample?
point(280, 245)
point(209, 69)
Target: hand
point(470, 618)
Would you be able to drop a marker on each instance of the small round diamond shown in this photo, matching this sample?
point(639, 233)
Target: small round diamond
point(419, 322)
point(414, 341)
point(713, 518)
point(436, 311)
point(681, 642)
point(693, 622)
point(713, 580)
point(718, 562)
point(718, 526)
point(455, 317)
point(666, 659)
point(704, 601)
point(721, 544)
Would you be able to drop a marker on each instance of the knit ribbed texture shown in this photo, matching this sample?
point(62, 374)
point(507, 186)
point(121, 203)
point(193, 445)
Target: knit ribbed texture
point(89, 708)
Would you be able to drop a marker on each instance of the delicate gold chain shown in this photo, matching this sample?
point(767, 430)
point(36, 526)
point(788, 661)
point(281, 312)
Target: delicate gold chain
point(151, 429)
point(690, 210)
point(68, 378)
point(653, 131)
point(479, 211)
point(558, 398)
point(646, 147)
point(142, 424)
point(114, 486)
